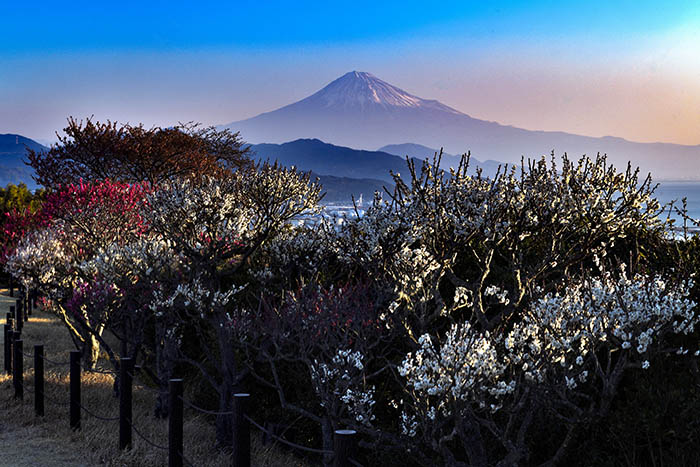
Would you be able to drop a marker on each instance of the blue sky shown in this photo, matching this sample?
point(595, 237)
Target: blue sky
point(599, 67)
point(41, 27)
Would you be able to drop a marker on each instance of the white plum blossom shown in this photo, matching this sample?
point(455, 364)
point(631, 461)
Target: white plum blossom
point(343, 379)
point(193, 295)
point(500, 294)
point(41, 259)
point(631, 314)
point(467, 367)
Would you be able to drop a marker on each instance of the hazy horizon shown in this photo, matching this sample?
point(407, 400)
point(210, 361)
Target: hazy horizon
point(628, 70)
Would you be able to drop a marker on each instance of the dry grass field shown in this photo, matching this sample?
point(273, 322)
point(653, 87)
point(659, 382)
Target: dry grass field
point(27, 440)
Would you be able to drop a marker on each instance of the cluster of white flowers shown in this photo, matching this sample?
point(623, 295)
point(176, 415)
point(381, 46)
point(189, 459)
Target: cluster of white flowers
point(553, 343)
point(500, 294)
point(132, 262)
point(409, 425)
point(303, 246)
point(466, 367)
point(343, 379)
point(364, 239)
point(560, 330)
point(193, 296)
point(41, 259)
point(414, 270)
point(193, 212)
point(463, 297)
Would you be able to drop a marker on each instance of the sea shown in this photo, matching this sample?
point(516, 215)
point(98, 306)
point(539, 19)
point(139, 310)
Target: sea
point(667, 192)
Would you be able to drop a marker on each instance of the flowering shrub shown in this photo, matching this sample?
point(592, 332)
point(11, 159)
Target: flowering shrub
point(566, 346)
point(456, 318)
point(73, 225)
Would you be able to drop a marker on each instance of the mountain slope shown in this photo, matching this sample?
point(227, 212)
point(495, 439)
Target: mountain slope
point(360, 110)
point(327, 159)
point(418, 151)
point(12, 155)
point(343, 172)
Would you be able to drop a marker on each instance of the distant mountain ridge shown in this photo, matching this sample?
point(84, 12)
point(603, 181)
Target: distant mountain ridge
point(418, 151)
point(360, 110)
point(343, 172)
point(329, 159)
point(15, 145)
point(12, 155)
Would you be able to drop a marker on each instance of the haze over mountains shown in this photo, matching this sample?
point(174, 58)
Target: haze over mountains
point(360, 110)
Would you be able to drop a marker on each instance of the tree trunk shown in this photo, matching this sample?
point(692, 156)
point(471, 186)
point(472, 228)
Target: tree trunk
point(166, 353)
point(474, 443)
point(224, 422)
point(229, 385)
point(91, 349)
point(327, 434)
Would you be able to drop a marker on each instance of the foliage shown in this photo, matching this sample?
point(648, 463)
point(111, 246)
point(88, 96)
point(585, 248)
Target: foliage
point(19, 207)
point(71, 227)
point(461, 319)
point(134, 154)
point(19, 198)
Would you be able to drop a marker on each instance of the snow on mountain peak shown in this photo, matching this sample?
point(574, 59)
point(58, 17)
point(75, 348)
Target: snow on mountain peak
point(362, 89)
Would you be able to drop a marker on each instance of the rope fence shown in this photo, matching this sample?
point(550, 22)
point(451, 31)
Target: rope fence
point(201, 410)
point(284, 441)
point(148, 441)
point(344, 440)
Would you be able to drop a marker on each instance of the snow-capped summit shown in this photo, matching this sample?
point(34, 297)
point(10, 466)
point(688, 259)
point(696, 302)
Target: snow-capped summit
point(362, 89)
point(359, 110)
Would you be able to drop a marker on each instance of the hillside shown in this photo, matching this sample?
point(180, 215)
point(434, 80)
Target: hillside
point(329, 159)
point(12, 155)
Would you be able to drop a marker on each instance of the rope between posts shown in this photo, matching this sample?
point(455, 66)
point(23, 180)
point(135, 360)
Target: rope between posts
point(150, 389)
point(199, 409)
point(54, 362)
point(99, 417)
point(355, 463)
point(157, 446)
point(288, 443)
point(96, 370)
point(55, 401)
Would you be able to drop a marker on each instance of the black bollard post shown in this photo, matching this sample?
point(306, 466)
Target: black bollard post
point(39, 380)
point(12, 312)
point(12, 287)
point(19, 315)
point(75, 389)
point(343, 446)
point(175, 421)
point(10, 338)
point(25, 297)
point(241, 431)
point(7, 328)
point(18, 369)
point(30, 301)
point(126, 374)
point(14, 336)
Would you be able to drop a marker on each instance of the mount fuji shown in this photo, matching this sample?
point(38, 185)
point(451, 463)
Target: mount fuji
point(360, 110)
